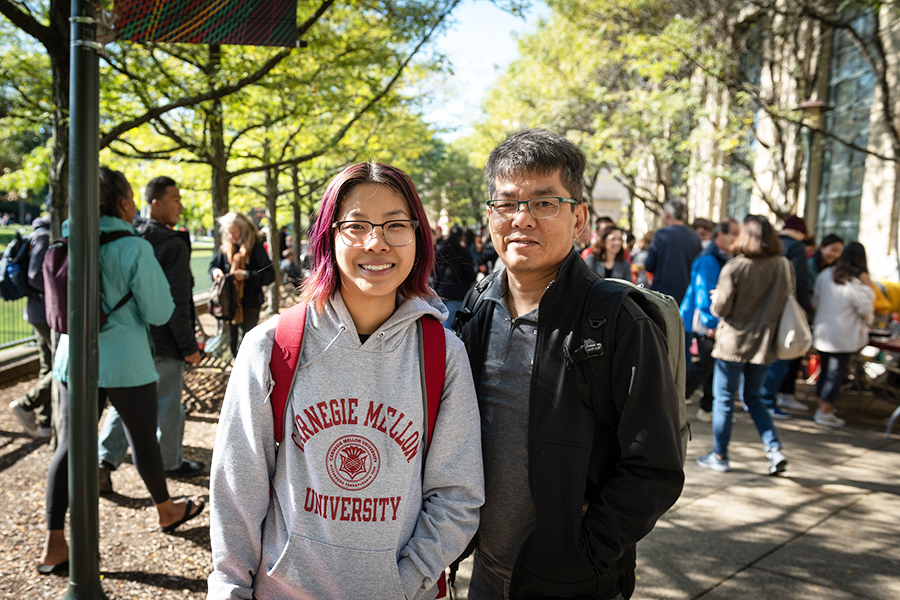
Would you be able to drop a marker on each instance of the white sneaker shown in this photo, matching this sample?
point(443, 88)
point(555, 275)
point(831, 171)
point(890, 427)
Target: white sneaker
point(788, 402)
point(703, 416)
point(26, 419)
point(830, 419)
point(777, 461)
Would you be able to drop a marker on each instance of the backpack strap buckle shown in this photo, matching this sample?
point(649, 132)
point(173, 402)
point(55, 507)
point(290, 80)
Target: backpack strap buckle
point(588, 349)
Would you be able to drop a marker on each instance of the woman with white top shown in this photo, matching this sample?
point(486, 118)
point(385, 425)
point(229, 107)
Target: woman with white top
point(845, 307)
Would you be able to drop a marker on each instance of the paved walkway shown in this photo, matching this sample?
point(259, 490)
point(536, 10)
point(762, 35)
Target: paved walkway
point(828, 529)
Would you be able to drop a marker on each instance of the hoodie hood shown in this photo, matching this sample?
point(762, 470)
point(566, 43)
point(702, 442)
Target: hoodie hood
point(152, 230)
point(336, 319)
point(107, 223)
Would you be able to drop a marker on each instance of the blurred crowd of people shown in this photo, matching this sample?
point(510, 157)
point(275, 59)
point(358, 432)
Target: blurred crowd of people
point(732, 281)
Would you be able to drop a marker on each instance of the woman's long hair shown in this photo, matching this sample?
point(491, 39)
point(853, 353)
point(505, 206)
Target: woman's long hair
point(600, 245)
point(828, 240)
point(851, 263)
point(249, 233)
point(757, 238)
point(325, 279)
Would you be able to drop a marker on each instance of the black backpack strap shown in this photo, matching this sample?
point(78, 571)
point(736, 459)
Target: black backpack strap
point(122, 302)
point(465, 314)
point(111, 236)
point(598, 335)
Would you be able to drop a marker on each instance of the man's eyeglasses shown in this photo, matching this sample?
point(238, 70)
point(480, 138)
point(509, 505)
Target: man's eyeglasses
point(395, 233)
point(540, 208)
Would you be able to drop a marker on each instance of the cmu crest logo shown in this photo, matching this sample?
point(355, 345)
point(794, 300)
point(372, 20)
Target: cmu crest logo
point(353, 462)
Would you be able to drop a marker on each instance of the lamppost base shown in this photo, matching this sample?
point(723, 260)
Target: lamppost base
point(85, 591)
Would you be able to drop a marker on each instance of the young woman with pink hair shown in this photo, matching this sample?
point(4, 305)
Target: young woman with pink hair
point(347, 506)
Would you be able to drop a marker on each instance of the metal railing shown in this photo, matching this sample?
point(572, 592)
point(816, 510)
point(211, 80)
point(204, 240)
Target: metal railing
point(14, 329)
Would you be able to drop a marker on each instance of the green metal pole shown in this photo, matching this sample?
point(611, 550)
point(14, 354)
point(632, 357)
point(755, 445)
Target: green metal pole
point(84, 263)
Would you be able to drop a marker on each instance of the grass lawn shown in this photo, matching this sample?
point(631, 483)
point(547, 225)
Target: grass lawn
point(14, 327)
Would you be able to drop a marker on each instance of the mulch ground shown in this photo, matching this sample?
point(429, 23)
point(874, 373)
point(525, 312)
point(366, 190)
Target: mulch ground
point(137, 560)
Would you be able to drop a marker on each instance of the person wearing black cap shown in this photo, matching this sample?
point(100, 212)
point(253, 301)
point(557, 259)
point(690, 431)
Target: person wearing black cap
point(778, 390)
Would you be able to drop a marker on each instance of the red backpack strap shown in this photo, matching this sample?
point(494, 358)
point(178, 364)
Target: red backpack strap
point(434, 364)
point(285, 354)
point(434, 350)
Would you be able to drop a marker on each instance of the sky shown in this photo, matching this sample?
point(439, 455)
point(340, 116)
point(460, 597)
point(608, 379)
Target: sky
point(479, 47)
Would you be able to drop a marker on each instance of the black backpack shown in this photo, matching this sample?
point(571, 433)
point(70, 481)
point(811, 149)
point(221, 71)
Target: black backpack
point(56, 283)
point(14, 269)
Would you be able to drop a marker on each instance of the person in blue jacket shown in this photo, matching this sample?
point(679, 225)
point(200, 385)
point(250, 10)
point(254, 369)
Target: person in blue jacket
point(699, 321)
point(127, 376)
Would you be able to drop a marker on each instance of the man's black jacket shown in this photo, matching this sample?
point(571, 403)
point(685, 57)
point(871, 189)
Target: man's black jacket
point(176, 338)
point(795, 251)
point(625, 478)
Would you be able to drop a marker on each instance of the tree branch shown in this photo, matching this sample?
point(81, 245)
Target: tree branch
point(28, 23)
point(121, 128)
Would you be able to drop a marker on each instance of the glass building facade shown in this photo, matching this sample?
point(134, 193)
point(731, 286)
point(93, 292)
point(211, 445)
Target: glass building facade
point(850, 92)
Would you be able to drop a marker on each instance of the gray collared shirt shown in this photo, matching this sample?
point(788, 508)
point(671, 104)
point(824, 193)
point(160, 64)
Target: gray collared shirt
point(507, 517)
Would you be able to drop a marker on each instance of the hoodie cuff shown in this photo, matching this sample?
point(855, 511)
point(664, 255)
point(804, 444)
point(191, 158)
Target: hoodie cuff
point(411, 579)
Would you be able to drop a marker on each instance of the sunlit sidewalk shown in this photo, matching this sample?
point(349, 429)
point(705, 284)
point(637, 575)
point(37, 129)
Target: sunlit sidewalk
point(829, 528)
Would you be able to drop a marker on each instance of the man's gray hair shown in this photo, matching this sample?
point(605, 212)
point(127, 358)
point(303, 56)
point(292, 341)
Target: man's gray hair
point(675, 210)
point(539, 151)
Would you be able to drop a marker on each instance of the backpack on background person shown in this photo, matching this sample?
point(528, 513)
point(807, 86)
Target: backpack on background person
point(222, 302)
point(14, 269)
point(56, 283)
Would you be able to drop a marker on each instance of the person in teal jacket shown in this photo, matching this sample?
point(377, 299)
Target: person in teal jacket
point(699, 322)
point(127, 376)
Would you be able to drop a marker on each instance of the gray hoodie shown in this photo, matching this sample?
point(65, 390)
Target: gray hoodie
point(342, 509)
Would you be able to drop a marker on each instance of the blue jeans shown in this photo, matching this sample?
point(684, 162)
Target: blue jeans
point(726, 380)
point(170, 419)
point(834, 367)
point(774, 379)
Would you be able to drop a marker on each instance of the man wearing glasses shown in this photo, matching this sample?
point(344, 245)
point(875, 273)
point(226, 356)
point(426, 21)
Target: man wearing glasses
point(567, 496)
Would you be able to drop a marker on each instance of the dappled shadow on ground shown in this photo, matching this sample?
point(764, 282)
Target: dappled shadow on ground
point(826, 529)
point(137, 559)
point(157, 580)
point(20, 445)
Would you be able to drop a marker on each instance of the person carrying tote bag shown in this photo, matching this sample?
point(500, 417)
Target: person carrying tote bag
point(794, 337)
point(749, 303)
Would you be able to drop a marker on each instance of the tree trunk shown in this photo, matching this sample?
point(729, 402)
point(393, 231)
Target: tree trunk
point(218, 158)
point(298, 218)
point(59, 154)
point(219, 162)
point(274, 242)
point(893, 236)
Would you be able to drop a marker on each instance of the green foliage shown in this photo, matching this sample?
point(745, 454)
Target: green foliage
point(451, 183)
point(24, 110)
point(339, 101)
point(348, 97)
point(620, 92)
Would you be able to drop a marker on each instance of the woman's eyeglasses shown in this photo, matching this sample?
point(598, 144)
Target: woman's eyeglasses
point(395, 233)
